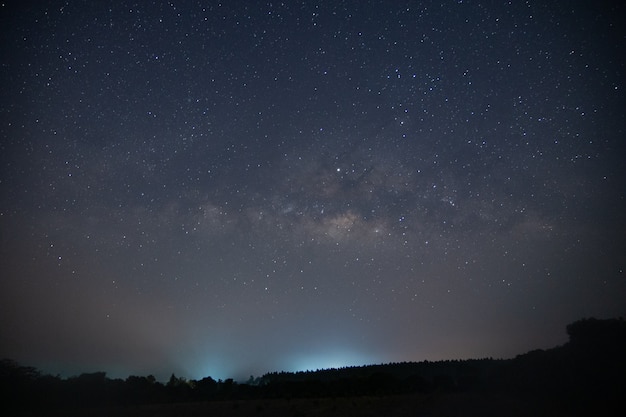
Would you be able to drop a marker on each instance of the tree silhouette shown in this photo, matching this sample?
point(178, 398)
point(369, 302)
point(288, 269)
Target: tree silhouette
point(592, 334)
point(583, 376)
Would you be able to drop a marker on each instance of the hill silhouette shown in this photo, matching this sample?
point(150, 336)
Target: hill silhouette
point(585, 376)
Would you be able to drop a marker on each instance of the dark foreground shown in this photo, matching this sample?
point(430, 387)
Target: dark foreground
point(584, 377)
point(416, 405)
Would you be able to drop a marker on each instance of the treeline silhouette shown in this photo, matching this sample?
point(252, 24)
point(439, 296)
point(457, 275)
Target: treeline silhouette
point(589, 369)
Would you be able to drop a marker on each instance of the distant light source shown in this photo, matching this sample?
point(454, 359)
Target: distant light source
point(327, 360)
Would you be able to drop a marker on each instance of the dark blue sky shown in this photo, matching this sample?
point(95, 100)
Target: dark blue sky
point(230, 189)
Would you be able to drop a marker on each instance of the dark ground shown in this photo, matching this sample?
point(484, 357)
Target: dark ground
point(420, 405)
point(584, 377)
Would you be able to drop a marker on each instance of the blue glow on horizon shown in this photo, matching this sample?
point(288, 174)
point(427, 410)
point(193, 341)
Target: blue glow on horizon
point(327, 360)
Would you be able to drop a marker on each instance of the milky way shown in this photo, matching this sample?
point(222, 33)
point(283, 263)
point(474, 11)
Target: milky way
point(238, 188)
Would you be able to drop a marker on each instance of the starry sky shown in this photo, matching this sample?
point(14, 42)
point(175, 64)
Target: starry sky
point(234, 188)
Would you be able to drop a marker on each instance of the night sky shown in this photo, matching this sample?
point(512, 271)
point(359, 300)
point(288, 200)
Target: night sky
point(237, 188)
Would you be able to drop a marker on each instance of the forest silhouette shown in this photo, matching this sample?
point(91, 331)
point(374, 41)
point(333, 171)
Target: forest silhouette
point(585, 376)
